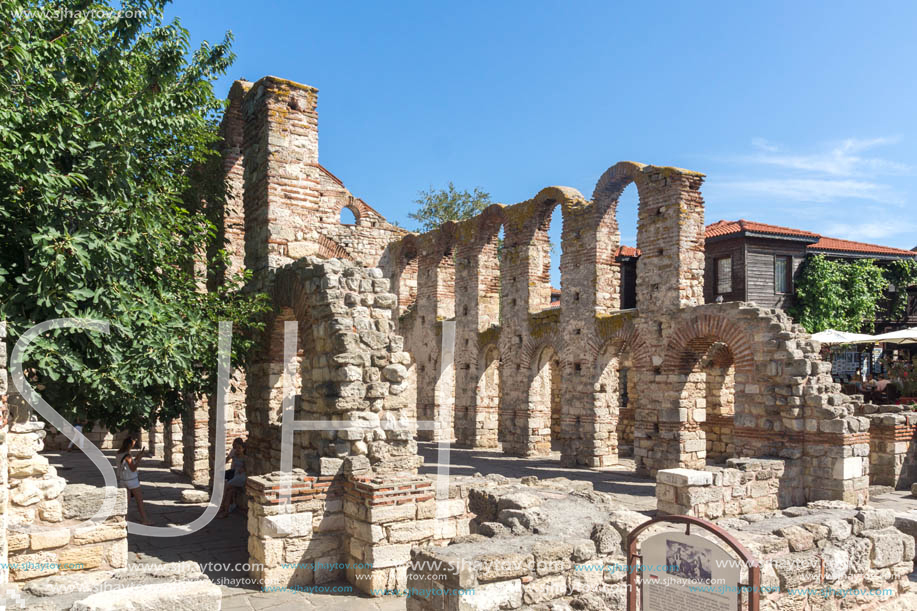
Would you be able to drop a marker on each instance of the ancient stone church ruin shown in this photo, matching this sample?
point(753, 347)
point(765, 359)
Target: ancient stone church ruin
point(451, 336)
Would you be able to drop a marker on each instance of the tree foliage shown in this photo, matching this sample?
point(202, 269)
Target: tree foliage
point(104, 116)
point(841, 295)
point(437, 206)
point(901, 274)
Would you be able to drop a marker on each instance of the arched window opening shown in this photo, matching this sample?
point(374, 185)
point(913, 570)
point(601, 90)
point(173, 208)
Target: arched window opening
point(553, 255)
point(628, 252)
point(348, 217)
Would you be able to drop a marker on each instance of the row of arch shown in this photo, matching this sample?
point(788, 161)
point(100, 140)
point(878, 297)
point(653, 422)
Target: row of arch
point(703, 354)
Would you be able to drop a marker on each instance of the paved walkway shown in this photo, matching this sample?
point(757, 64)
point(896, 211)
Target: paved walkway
point(221, 546)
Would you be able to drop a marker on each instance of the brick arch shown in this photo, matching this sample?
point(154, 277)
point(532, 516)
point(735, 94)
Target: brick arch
point(692, 340)
point(628, 336)
point(528, 355)
point(612, 184)
point(355, 209)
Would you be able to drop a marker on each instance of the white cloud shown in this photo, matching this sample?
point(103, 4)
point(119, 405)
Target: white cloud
point(877, 230)
point(844, 158)
point(816, 190)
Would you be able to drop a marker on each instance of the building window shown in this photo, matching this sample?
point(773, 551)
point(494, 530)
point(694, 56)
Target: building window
point(724, 275)
point(783, 280)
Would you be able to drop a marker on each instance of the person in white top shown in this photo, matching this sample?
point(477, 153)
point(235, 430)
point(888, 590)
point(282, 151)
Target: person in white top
point(235, 478)
point(127, 474)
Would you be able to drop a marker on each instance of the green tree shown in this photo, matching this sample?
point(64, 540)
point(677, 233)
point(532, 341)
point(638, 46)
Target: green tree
point(104, 117)
point(437, 206)
point(840, 295)
point(901, 274)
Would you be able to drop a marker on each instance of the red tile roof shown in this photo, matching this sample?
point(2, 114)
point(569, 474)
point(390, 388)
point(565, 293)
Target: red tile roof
point(627, 251)
point(721, 228)
point(724, 228)
point(834, 244)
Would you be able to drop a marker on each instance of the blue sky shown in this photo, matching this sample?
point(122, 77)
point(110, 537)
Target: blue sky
point(800, 114)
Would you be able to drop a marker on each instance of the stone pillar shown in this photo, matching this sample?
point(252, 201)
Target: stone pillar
point(435, 304)
point(281, 174)
point(156, 439)
point(173, 454)
point(526, 319)
point(477, 309)
point(892, 446)
point(195, 441)
point(296, 540)
point(588, 271)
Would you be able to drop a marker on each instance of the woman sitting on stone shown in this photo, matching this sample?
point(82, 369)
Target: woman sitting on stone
point(236, 481)
point(128, 476)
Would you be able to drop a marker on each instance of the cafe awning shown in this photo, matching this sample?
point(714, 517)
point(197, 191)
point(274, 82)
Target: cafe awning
point(904, 336)
point(831, 336)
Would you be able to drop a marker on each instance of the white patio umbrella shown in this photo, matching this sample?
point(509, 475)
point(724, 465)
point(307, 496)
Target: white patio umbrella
point(832, 336)
point(904, 336)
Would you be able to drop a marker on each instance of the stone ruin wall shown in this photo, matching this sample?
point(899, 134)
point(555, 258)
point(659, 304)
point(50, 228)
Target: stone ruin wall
point(556, 543)
point(704, 382)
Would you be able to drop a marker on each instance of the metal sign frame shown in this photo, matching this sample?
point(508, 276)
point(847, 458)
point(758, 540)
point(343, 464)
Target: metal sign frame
point(754, 570)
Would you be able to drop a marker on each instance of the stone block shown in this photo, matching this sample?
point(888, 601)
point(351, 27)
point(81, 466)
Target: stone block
point(97, 533)
point(887, 547)
point(30, 566)
point(49, 539)
point(486, 597)
point(383, 556)
point(287, 525)
point(684, 477)
point(82, 501)
point(411, 531)
point(182, 595)
point(82, 557)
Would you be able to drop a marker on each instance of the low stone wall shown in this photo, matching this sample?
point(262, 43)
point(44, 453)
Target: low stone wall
point(339, 524)
point(744, 486)
point(540, 548)
point(892, 445)
point(98, 435)
point(47, 533)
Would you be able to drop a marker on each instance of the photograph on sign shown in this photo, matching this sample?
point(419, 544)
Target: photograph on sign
point(682, 570)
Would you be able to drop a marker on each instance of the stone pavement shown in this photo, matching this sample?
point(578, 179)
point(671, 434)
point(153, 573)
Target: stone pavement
point(620, 481)
point(221, 546)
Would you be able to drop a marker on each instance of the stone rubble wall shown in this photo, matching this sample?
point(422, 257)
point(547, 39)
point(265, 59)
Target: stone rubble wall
point(892, 446)
point(352, 368)
point(523, 555)
point(744, 486)
point(46, 530)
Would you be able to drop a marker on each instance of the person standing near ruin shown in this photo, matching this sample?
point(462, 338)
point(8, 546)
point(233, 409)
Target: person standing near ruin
point(128, 476)
point(235, 477)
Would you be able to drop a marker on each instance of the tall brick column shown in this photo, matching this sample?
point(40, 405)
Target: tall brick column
point(435, 304)
point(670, 271)
point(477, 309)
